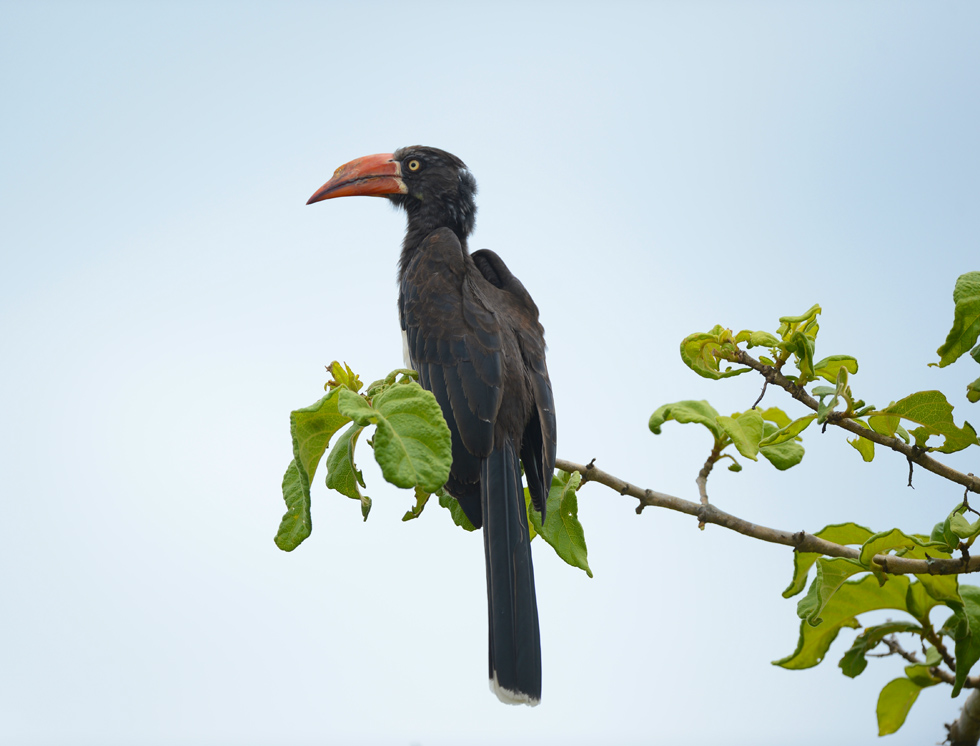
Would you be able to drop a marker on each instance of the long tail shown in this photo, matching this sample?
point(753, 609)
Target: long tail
point(515, 641)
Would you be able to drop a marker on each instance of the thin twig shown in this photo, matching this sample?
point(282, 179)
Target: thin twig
point(800, 540)
point(911, 452)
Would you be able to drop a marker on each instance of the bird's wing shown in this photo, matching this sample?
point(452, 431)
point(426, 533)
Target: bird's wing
point(454, 341)
point(539, 442)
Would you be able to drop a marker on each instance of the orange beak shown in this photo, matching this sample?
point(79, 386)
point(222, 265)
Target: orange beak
point(372, 175)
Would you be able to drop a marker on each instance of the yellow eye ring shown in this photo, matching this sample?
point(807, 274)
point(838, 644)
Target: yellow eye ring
point(414, 165)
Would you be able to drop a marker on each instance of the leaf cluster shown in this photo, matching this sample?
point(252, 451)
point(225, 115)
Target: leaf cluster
point(843, 588)
point(412, 445)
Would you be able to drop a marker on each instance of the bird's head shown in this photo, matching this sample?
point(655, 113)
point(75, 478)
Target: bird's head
point(434, 187)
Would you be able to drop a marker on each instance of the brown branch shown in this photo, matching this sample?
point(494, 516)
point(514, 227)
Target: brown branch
point(801, 541)
point(966, 730)
point(911, 452)
point(892, 644)
point(702, 480)
point(937, 642)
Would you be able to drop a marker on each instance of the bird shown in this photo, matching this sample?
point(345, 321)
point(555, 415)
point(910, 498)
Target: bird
point(471, 331)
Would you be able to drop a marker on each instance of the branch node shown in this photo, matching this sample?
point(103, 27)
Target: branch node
point(587, 474)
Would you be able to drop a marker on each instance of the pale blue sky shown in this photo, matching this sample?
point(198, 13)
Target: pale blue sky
point(648, 170)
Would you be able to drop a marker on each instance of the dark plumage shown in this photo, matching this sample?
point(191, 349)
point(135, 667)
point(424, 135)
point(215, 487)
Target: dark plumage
point(472, 333)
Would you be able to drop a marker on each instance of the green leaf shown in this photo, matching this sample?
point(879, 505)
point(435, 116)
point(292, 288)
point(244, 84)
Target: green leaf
point(935, 415)
point(854, 597)
point(745, 431)
point(703, 353)
point(973, 392)
point(863, 446)
point(920, 673)
point(966, 319)
point(421, 498)
point(412, 444)
point(960, 525)
point(788, 432)
point(355, 407)
point(311, 429)
point(839, 533)
point(782, 455)
point(894, 703)
point(854, 661)
point(452, 505)
point(919, 602)
point(776, 416)
point(967, 651)
point(378, 386)
point(829, 367)
point(831, 574)
point(885, 424)
point(344, 377)
point(757, 339)
point(699, 412)
point(788, 324)
point(801, 345)
point(884, 542)
point(561, 528)
point(941, 587)
point(342, 473)
point(296, 524)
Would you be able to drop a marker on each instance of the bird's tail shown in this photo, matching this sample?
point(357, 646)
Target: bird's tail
point(515, 642)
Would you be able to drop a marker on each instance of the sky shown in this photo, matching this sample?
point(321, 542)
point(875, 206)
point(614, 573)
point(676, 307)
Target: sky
point(648, 170)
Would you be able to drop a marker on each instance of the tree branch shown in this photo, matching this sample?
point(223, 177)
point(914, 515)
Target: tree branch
point(801, 541)
point(966, 730)
point(911, 452)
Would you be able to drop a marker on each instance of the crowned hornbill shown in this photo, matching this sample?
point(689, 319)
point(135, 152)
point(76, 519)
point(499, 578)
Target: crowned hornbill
point(471, 331)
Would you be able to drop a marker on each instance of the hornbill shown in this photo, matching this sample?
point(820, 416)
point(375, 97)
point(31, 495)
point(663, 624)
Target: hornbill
point(471, 331)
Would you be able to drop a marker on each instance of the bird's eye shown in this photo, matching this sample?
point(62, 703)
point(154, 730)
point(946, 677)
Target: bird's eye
point(414, 165)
